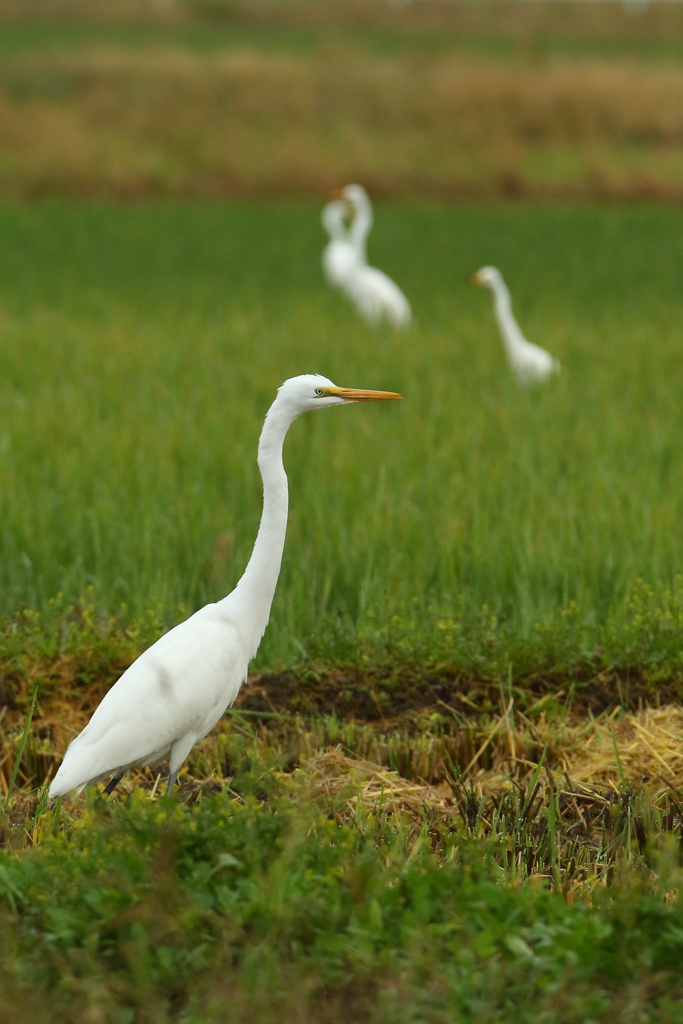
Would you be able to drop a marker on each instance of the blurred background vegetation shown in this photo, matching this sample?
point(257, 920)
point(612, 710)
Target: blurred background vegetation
point(260, 98)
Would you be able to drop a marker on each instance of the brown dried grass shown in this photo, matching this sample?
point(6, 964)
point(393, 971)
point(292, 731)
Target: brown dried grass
point(351, 784)
point(419, 760)
point(649, 745)
point(427, 749)
point(615, 786)
point(162, 121)
point(566, 796)
point(640, 749)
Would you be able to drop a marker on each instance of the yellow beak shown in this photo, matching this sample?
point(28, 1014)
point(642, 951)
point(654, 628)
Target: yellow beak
point(356, 395)
point(476, 279)
point(337, 193)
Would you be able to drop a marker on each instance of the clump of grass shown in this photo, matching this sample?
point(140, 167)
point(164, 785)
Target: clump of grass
point(164, 909)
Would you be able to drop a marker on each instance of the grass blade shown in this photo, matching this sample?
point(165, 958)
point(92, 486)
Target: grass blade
point(22, 747)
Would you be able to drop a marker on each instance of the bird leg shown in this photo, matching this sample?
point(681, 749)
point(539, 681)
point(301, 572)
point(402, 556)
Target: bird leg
point(113, 782)
point(172, 779)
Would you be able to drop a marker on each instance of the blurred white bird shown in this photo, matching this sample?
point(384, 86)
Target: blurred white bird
point(362, 217)
point(176, 691)
point(374, 294)
point(340, 255)
point(530, 363)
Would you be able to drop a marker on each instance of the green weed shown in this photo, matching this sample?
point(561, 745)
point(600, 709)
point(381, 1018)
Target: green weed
point(195, 913)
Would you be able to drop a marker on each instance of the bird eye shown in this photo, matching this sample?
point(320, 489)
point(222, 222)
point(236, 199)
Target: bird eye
point(320, 392)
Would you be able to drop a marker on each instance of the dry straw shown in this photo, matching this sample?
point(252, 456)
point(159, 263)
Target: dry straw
point(352, 784)
point(600, 757)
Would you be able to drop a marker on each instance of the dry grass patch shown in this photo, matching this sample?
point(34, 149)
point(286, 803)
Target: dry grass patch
point(162, 121)
point(352, 785)
point(571, 820)
point(644, 747)
point(603, 754)
point(565, 798)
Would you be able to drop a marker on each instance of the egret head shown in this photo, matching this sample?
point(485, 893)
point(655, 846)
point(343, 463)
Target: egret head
point(355, 198)
point(356, 195)
point(312, 391)
point(350, 194)
point(487, 277)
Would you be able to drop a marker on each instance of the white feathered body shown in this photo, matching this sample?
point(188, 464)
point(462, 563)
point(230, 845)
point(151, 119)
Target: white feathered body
point(340, 259)
point(340, 255)
point(172, 696)
point(377, 297)
point(533, 364)
point(530, 363)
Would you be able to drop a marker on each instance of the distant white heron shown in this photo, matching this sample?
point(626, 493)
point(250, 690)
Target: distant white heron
point(530, 363)
point(340, 255)
point(362, 220)
point(176, 691)
point(374, 294)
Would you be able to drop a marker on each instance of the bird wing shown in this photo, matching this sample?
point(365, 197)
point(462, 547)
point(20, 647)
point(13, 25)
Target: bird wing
point(179, 686)
point(376, 295)
point(533, 363)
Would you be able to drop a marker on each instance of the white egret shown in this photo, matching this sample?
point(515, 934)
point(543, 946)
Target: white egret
point(176, 691)
point(340, 256)
point(363, 217)
point(373, 293)
point(530, 363)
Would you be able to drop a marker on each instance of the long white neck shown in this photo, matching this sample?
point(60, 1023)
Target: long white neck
point(509, 328)
point(360, 228)
point(333, 221)
point(248, 605)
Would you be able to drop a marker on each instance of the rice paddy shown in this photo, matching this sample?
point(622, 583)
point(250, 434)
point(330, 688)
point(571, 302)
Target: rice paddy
point(474, 653)
point(475, 522)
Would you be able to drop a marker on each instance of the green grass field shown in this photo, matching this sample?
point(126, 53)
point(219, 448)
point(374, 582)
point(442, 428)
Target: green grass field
point(500, 29)
point(474, 522)
point(477, 36)
point(515, 545)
